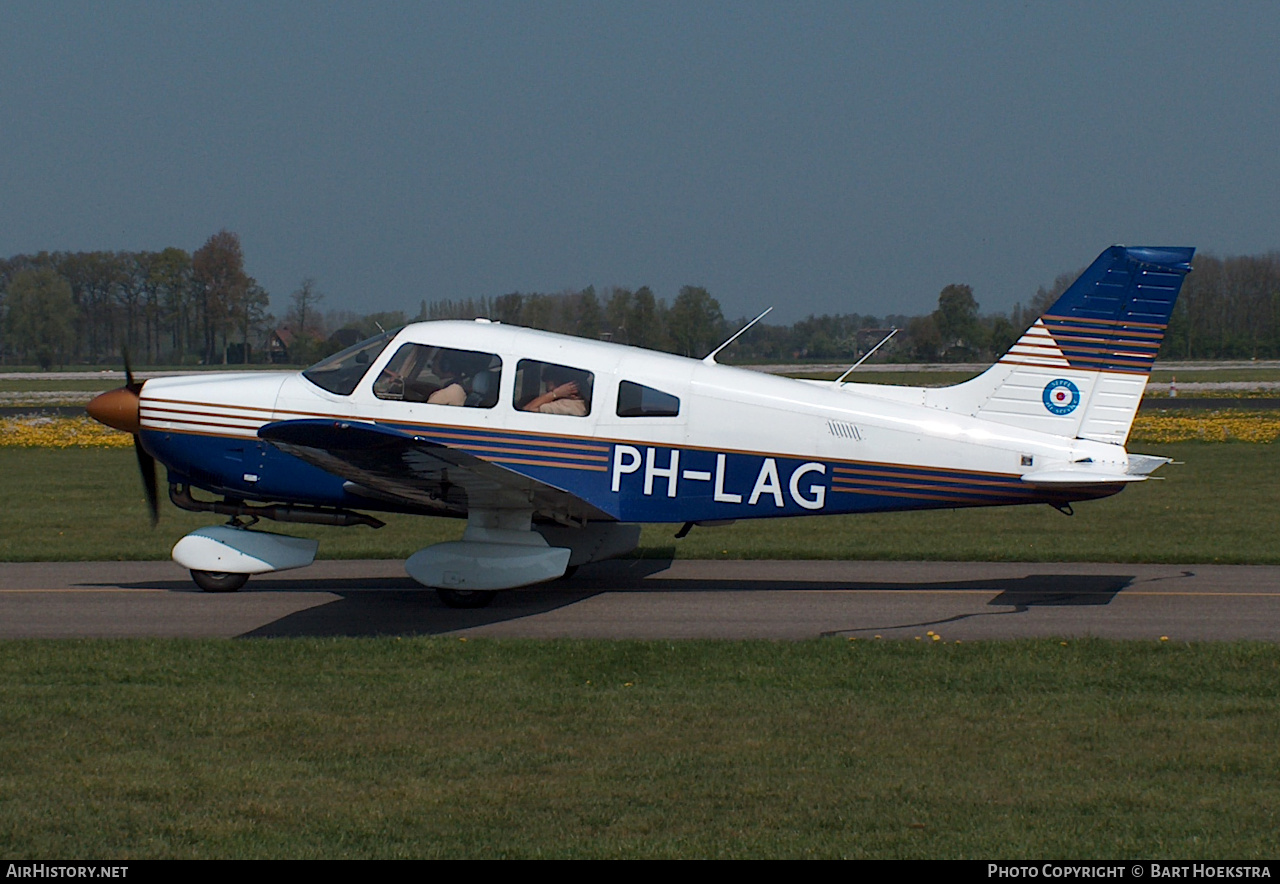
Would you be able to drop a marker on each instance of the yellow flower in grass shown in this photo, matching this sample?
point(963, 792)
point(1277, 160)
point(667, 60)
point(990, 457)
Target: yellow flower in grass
point(59, 432)
point(1207, 426)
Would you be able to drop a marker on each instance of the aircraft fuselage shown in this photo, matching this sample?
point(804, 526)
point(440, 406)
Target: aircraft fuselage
point(741, 444)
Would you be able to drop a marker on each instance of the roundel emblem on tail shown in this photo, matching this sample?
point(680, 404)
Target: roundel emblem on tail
point(1061, 396)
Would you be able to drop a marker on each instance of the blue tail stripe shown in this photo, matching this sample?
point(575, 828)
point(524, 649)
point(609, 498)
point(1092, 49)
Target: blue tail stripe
point(1122, 303)
point(1135, 284)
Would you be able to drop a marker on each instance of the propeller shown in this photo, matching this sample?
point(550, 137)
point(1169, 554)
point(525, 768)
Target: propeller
point(147, 466)
point(121, 409)
point(130, 384)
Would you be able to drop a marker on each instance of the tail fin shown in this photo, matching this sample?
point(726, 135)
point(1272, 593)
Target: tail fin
point(1081, 369)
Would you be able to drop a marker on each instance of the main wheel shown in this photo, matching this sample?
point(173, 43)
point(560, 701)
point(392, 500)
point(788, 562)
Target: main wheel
point(219, 581)
point(466, 598)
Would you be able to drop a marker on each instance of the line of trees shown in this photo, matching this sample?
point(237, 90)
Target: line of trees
point(1229, 309)
point(176, 307)
point(171, 305)
point(692, 325)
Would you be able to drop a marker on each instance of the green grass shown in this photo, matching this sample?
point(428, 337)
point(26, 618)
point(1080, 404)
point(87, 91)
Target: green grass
point(68, 386)
point(88, 505)
point(1211, 374)
point(96, 385)
point(437, 747)
point(1219, 506)
point(445, 748)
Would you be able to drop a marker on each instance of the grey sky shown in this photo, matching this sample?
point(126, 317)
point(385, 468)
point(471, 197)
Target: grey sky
point(819, 157)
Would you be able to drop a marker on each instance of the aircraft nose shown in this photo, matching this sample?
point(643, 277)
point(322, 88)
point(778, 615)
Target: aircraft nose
point(117, 408)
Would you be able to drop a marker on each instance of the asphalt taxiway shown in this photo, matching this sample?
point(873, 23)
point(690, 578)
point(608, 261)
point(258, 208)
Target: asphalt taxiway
point(663, 599)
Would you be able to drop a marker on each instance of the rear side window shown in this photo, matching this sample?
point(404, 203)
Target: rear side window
point(637, 400)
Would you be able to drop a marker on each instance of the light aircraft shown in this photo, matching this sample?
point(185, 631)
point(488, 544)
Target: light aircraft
point(555, 449)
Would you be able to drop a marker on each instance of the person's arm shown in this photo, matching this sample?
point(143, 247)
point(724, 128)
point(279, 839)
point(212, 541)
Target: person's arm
point(564, 391)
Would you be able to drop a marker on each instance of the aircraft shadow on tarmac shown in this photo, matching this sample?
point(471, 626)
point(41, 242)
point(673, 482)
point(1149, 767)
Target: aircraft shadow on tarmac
point(399, 606)
point(1019, 595)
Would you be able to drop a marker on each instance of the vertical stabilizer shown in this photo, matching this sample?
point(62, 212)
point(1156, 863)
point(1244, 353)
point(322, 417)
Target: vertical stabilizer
point(1081, 369)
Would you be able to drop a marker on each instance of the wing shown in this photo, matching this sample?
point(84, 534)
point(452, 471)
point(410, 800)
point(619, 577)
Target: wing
point(418, 470)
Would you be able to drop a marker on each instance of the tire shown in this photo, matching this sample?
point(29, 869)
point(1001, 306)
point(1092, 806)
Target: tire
point(466, 598)
point(217, 581)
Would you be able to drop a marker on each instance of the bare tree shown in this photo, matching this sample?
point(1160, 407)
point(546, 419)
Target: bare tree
point(304, 313)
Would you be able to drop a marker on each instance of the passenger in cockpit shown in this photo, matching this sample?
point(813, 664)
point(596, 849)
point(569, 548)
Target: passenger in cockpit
point(563, 393)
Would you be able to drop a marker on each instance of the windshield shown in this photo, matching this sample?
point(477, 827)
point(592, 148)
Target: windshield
point(341, 372)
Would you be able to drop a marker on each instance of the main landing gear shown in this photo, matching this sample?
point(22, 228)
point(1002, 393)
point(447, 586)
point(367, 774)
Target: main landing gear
point(219, 581)
point(499, 550)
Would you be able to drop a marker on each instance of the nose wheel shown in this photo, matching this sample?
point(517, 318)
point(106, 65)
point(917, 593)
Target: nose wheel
point(219, 581)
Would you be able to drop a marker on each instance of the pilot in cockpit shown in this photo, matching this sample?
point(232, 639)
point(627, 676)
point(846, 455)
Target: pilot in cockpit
point(422, 374)
point(450, 390)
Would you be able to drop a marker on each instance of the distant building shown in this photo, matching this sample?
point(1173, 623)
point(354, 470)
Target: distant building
point(279, 340)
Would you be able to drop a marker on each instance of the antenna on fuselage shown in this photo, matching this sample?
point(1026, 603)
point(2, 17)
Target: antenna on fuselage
point(710, 358)
point(840, 380)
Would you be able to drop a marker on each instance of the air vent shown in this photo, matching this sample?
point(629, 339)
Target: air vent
point(844, 430)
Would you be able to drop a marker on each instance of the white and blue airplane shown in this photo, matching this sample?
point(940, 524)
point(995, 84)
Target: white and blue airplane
point(555, 449)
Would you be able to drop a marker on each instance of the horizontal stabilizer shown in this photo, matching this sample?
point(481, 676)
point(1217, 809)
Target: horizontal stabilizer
point(1146, 464)
point(1074, 477)
point(1087, 473)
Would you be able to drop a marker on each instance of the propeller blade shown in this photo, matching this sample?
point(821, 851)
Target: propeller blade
point(147, 466)
point(129, 382)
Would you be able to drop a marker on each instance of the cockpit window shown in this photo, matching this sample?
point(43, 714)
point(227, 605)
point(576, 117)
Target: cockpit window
point(341, 372)
point(440, 376)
